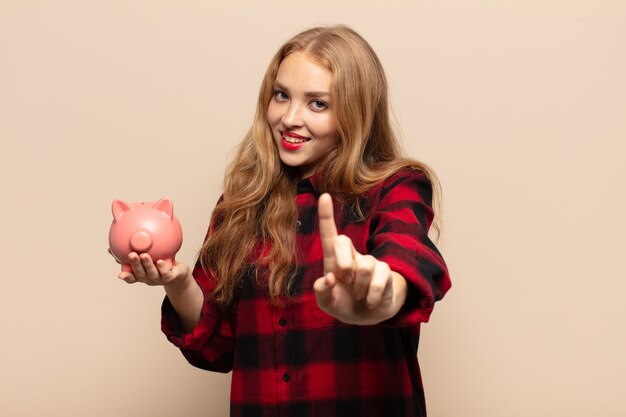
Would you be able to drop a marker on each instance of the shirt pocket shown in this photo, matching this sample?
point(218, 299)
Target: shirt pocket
point(309, 315)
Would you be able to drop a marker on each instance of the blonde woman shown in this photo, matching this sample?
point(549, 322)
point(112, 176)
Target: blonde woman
point(317, 269)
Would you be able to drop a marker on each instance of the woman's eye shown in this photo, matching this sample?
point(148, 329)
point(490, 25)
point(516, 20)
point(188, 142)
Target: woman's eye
point(280, 95)
point(319, 105)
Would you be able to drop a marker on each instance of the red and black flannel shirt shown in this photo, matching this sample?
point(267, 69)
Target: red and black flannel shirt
point(297, 361)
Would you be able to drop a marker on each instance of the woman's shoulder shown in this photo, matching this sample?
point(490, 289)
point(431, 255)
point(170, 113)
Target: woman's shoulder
point(408, 185)
point(406, 179)
point(406, 189)
point(406, 174)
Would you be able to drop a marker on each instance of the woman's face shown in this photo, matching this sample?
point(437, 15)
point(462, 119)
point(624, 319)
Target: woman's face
point(300, 113)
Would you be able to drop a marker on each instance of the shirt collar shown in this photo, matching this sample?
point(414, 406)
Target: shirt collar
point(309, 185)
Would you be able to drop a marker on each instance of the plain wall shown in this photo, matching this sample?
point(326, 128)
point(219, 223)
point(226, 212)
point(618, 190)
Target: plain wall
point(519, 106)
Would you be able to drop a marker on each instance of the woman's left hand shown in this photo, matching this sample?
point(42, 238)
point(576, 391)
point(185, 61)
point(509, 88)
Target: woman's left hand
point(355, 288)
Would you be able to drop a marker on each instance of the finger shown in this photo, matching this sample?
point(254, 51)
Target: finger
point(364, 272)
point(152, 272)
point(345, 255)
point(136, 265)
point(166, 274)
point(379, 287)
point(323, 288)
point(328, 228)
point(127, 277)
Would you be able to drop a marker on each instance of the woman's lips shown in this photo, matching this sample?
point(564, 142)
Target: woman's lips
point(292, 145)
point(292, 134)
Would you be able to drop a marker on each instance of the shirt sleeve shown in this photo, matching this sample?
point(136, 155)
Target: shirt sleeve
point(210, 344)
point(399, 237)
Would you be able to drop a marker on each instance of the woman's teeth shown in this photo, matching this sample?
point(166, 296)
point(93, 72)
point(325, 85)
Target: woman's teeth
point(294, 140)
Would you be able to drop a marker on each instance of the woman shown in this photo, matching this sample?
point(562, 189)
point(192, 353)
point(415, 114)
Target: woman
point(314, 303)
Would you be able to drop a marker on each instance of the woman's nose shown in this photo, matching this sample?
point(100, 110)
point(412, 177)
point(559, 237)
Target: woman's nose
point(293, 115)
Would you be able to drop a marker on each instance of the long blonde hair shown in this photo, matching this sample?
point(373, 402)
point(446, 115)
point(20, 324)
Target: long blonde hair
point(253, 225)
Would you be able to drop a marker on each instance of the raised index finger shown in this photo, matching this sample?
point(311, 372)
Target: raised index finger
point(328, 229)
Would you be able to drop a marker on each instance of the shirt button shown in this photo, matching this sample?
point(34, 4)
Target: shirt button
point(286, 377)
point(298, 223)
point(282, 322)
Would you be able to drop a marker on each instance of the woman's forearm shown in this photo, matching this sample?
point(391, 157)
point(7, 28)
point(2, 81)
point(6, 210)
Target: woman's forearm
point(187, 298)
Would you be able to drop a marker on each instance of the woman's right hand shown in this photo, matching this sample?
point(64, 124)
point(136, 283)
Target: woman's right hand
point(146, 271)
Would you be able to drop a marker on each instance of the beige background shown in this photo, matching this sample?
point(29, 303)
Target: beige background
point(518, 105)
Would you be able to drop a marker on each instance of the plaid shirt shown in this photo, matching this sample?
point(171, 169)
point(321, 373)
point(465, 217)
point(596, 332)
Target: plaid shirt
point(297, 361)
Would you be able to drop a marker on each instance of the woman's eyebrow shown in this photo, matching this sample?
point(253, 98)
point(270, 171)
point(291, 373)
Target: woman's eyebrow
point(281, 86)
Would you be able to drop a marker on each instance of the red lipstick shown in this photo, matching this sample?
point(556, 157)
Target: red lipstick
point(291, 134)
point(291, 146)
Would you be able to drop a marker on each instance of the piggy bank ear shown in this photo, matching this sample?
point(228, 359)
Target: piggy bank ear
point(118, 208)
point(165, 205)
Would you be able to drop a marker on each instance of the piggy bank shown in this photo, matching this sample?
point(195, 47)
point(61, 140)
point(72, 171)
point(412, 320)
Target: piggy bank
point(145, 227)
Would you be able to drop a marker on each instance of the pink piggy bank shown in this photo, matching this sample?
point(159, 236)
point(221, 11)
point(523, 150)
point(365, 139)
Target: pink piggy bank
point(145, 227)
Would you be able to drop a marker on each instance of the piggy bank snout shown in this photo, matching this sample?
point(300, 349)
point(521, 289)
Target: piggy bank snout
point(144, 227)
point(141, 241)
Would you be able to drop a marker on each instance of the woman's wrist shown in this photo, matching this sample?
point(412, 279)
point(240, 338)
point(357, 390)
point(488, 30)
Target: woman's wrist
point(187, 298)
